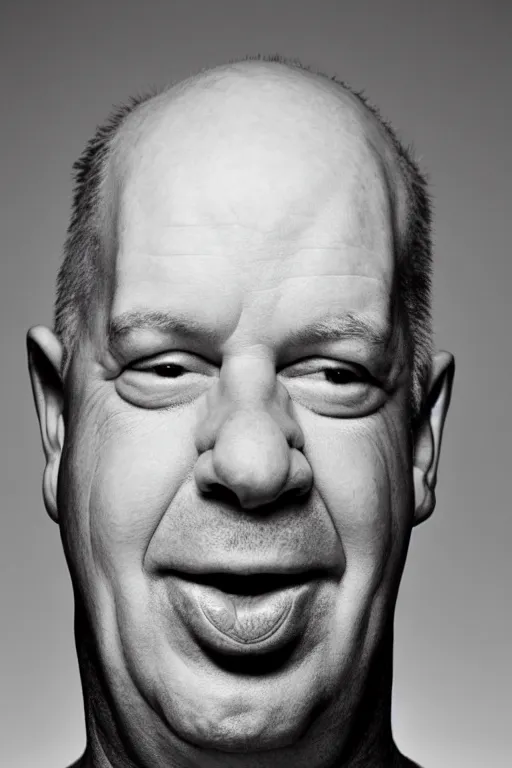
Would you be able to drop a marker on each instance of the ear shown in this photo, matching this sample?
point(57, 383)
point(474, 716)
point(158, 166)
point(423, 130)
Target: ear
point(428, 435)
point(45, 357)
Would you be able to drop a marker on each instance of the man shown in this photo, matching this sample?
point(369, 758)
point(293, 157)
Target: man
point(241, 418)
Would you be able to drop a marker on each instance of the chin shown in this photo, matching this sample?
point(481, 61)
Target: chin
point(216, 709)
point(214, 696)
point(243, 732)
point(191, 701)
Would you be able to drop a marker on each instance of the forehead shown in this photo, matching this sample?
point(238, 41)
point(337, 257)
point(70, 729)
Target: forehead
point(260, 183)
point(258, 150)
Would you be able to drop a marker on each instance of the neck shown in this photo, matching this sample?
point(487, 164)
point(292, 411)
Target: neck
point(370, 743)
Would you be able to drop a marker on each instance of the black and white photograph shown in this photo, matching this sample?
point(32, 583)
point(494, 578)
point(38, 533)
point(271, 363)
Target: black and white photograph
point(256, 384)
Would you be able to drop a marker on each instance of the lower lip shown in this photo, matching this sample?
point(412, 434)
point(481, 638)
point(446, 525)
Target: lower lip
point(243, 624)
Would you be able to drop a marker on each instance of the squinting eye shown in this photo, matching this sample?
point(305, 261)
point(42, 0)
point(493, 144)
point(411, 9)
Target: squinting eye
point(167, 370)
point(339, 391)
point(163, 382)
point(341, 376)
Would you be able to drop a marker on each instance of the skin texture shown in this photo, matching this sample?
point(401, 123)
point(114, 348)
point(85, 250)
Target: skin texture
point(248, 230)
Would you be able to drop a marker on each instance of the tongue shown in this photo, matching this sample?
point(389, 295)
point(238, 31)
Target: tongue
point(246, 619)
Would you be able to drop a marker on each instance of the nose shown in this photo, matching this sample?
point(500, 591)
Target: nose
point(250, 444)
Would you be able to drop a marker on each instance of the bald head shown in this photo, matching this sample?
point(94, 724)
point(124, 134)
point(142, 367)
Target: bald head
point(258, 140)
point(260, 146)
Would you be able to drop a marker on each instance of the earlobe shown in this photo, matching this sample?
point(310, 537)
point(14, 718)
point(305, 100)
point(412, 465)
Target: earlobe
point(429, 433)
point(45, 364)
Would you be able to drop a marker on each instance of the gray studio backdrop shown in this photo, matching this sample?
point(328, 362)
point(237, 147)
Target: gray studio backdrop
point(441, 72)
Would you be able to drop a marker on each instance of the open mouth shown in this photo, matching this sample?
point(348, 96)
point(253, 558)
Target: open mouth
point(253, 584)
point(238, 613)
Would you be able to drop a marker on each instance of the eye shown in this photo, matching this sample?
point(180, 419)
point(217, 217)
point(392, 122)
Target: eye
point(330, 388)
point(165, 381)
point(341, 376)
point(167, 370)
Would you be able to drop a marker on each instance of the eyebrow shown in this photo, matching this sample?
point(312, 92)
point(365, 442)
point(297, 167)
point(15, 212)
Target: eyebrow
point(347, 327)
point(157, 320)
point(331, 328)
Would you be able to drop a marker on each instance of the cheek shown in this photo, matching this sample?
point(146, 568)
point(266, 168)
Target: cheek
point(124, 468)
point(361, 471)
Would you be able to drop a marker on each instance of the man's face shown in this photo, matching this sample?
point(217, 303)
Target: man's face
point(246, 418)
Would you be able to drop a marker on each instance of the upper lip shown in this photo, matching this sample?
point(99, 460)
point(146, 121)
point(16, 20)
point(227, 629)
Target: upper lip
point(252, 582)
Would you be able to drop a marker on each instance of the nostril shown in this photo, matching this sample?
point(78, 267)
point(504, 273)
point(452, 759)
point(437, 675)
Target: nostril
point(295, 493)
point(219, 492)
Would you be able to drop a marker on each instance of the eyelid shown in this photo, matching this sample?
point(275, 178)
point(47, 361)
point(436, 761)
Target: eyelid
point(190, 362)
point(142, 386)
point(149, 364)
point(326, 363)
point(347, 400)
point(175, 357)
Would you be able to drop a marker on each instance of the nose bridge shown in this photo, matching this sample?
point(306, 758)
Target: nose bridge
point(249, 393)
point(249, 440)
point(248, 379)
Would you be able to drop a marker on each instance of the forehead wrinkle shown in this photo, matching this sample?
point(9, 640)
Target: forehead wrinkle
point(353, 217)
